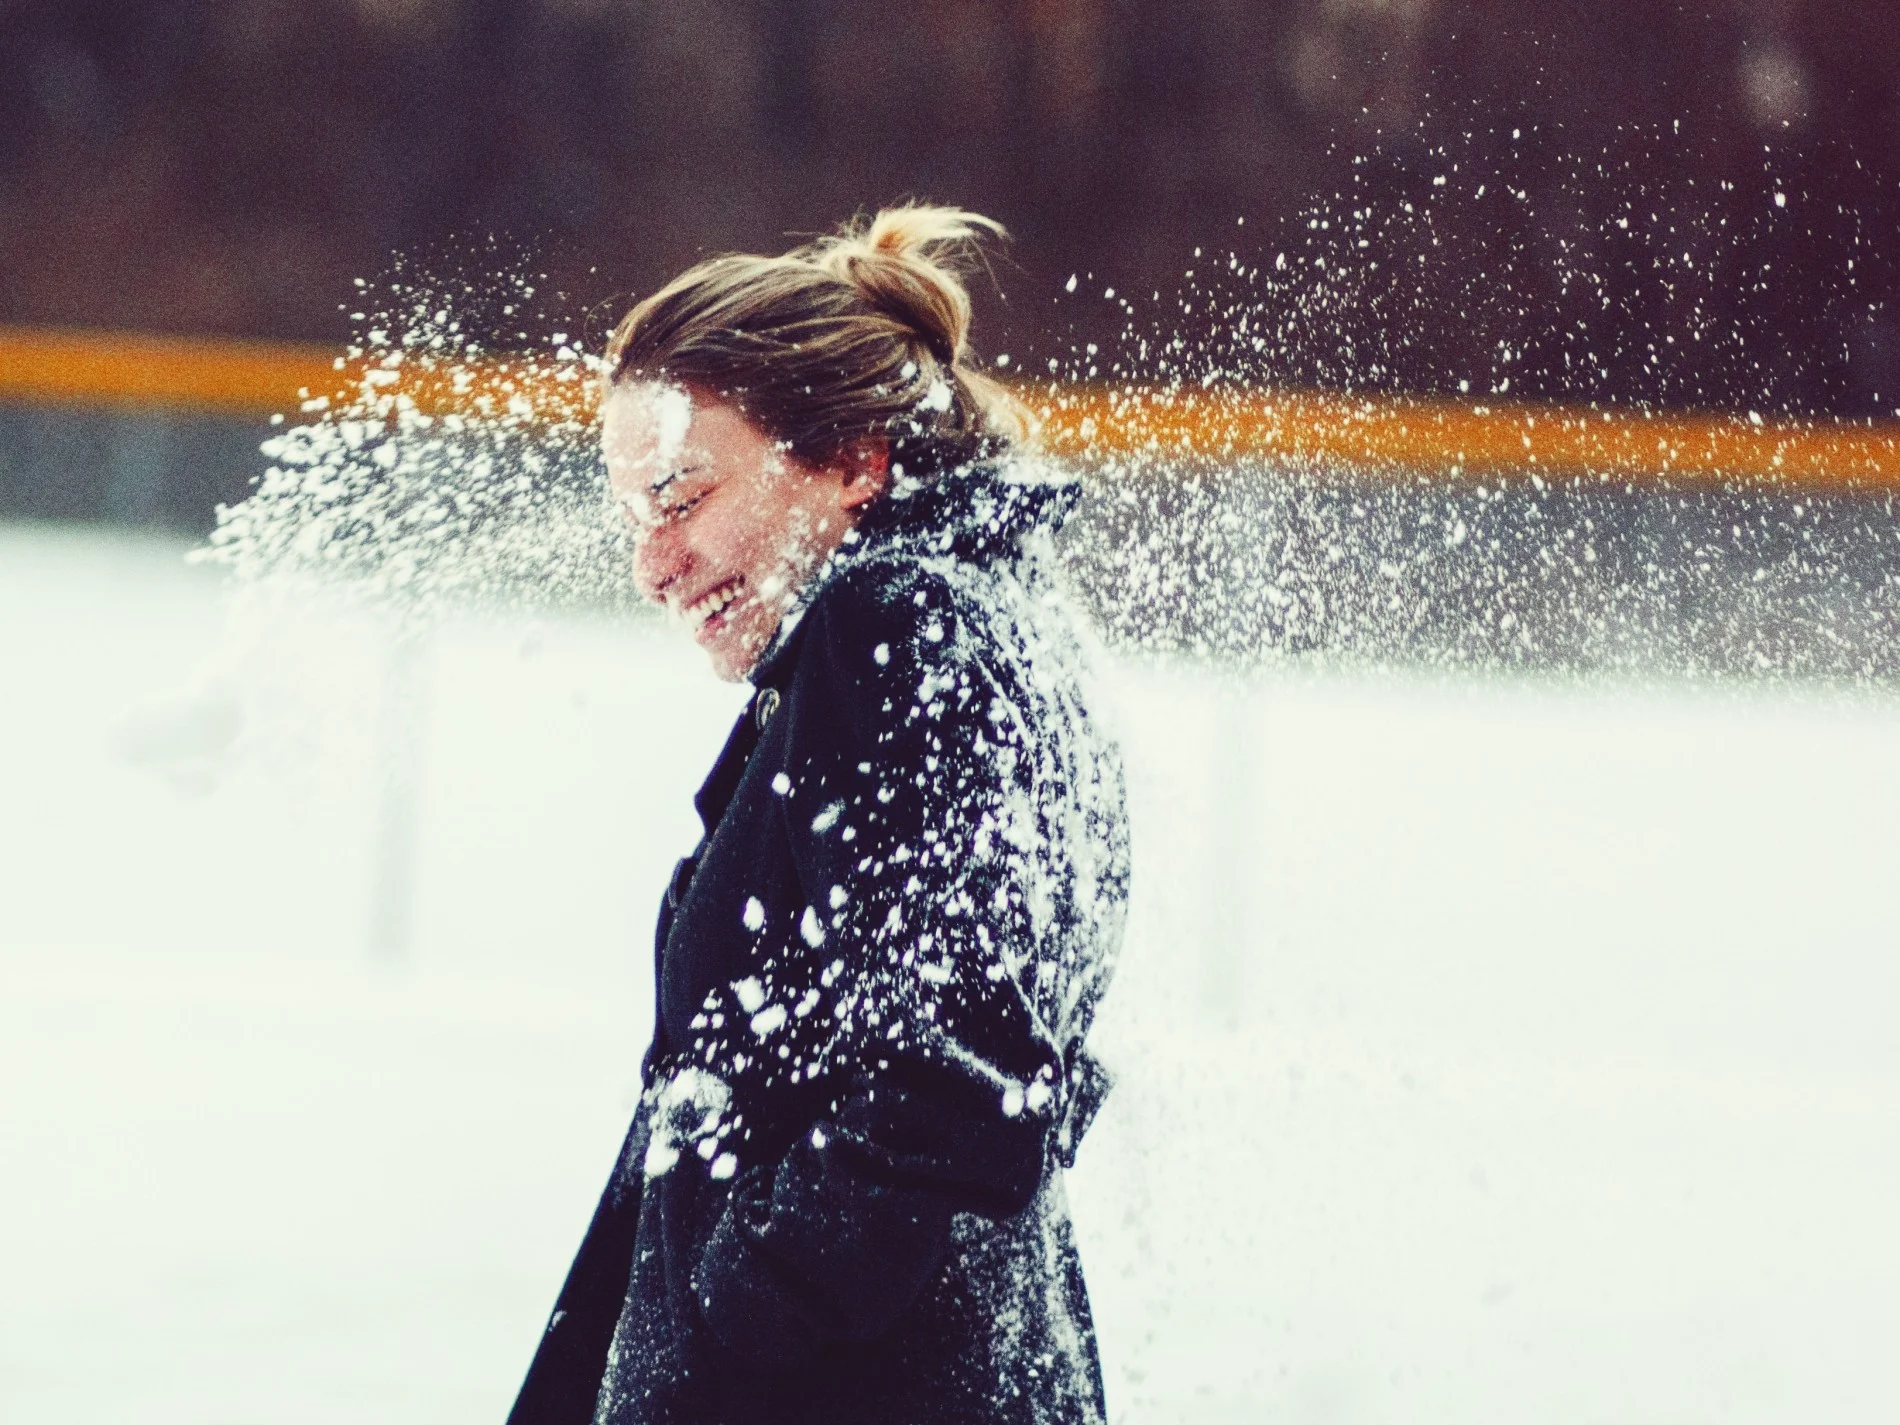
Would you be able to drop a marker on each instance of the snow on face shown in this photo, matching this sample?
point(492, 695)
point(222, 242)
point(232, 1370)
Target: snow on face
point(727, 526)
point(672, 418)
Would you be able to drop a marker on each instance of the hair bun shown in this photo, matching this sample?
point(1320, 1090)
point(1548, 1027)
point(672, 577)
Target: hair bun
point(908, 263)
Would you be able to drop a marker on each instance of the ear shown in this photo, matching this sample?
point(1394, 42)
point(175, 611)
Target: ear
point(863, 467)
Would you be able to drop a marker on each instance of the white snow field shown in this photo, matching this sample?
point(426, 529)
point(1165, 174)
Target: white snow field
point(1488, 1051)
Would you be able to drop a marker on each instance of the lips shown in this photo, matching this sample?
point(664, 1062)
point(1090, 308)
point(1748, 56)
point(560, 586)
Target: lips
point(711, 604)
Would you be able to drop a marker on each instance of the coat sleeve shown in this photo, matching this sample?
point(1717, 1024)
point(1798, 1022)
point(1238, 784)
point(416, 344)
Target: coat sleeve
point(908, 819)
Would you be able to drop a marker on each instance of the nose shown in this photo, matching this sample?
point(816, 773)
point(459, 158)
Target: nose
point(660, 560)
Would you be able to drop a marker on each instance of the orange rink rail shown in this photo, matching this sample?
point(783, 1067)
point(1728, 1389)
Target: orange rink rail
point(1430, 438)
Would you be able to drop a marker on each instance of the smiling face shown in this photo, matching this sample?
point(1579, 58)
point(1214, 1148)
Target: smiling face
point(726, 527)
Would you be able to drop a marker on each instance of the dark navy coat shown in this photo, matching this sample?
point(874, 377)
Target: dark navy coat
point(841, 1198)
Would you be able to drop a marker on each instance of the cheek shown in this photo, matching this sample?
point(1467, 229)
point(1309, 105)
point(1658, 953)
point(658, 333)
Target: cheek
point(738, 535)
point(809, 517)
point(767, 527)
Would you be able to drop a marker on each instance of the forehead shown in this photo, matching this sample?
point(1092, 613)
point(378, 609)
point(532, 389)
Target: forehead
point(646, 427)
point(653, 431)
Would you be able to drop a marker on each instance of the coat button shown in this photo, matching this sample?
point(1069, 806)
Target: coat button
point(764, 706)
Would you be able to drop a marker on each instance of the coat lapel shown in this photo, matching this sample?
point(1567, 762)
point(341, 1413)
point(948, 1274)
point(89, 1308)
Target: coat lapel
point(768, 689)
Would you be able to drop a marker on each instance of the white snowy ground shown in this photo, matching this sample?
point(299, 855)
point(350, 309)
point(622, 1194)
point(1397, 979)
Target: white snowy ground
point(1488, 1052)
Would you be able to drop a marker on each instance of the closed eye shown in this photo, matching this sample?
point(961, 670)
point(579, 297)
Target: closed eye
point(644, 514)
point(680, 505)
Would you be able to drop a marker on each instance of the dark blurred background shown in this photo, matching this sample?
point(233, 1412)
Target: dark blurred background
point(228, 166)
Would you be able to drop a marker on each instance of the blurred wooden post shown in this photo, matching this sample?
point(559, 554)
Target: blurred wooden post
point(399, 747)
point(1235, 878)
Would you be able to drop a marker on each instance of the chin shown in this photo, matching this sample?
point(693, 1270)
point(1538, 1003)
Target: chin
point(733, 655)
point(728, 671)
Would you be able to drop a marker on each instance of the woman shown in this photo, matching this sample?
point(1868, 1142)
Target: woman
point(840, 1200)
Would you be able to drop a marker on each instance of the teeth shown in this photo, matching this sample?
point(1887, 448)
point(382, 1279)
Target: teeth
point(714, 602)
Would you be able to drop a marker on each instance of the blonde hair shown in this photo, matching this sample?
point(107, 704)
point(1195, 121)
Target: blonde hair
point(865, 333)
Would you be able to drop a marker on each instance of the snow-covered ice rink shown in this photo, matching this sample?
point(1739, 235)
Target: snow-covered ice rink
point(1517, 1052)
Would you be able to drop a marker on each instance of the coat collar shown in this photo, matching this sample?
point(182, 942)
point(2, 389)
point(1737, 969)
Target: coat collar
point(979, 514)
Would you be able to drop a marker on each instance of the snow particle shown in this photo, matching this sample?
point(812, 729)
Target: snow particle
point(769, 1020)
